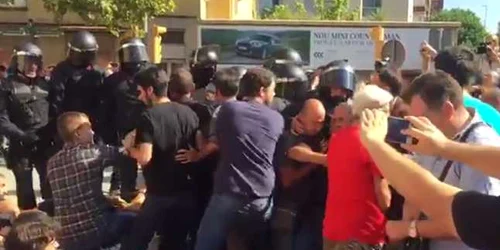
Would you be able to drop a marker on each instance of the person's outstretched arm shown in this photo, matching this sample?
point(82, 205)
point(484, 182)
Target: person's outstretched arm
point(431, 141)
point(415, 183)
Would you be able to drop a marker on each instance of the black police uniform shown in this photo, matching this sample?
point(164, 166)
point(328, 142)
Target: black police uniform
point(24, 115)
point(124, 109)
point(304, 198)
point(203, 66)
point(77, 84)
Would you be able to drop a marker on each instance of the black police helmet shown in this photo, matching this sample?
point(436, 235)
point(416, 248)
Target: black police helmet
point(29, 49)
point(205, 56)
point(292, 82)
point(240, 71)
point(83, 49)
point(83, 41)
point(287, 55)
point(24, 53)
point(338, 74)
point(132, 51)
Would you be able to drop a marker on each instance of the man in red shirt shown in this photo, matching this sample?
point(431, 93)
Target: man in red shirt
point(357, 192)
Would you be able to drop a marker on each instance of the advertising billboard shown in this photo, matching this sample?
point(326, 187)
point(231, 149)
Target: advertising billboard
point(355, 45)
point(251, 45)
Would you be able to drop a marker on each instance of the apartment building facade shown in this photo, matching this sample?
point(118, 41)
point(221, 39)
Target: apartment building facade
point(391, 10)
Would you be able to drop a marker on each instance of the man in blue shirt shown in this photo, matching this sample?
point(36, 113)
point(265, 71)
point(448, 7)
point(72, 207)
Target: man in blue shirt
point(247, 133)
point(459, 62)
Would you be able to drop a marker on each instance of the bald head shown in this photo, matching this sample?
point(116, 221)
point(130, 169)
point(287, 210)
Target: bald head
point(313, 109)
point(312, 116)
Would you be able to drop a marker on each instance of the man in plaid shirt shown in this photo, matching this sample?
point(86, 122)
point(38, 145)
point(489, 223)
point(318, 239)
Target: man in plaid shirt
point(75, 174)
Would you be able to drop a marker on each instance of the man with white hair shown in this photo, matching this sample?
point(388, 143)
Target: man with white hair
point(340, 117)
point(358, 195)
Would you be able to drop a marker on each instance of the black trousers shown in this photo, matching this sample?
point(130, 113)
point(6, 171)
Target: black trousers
point(22, 161)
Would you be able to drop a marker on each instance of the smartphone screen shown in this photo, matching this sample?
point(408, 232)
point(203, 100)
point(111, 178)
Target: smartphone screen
point(394, 134)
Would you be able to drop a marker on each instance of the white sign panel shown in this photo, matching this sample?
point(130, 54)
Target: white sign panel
point(252, 45)
point(355, 45)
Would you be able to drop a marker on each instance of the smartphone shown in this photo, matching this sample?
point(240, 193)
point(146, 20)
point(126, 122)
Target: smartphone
point(396, 125)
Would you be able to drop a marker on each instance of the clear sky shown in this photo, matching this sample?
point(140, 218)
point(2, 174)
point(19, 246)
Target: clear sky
point(478, 7)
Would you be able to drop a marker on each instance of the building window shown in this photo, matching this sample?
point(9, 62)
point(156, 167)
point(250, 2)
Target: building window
point(173, 37)
point(371, 7)
point(14, 4)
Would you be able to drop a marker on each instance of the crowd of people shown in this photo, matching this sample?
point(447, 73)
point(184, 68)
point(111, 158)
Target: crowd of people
point(271, 157)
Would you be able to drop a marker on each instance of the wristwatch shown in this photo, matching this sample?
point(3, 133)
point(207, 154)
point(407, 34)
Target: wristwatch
point(412, 229)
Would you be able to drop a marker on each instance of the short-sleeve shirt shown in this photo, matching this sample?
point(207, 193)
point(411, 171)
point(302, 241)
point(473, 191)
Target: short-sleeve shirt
point(311, 189)
point(247, 135)
point(168, 127)
point(352, 211)
point(477, 219)
point(463, 176)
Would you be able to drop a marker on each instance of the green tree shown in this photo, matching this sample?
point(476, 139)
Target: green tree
point(472, 32)
point(283, 12)
point(323, 10)
point(335, 10)
point(114, 14)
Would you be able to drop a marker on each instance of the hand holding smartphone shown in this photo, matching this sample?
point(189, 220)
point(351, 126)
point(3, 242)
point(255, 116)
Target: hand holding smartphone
point(395, 126)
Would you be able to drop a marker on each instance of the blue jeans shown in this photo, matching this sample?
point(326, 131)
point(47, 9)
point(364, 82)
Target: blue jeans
point(170, 216)
point(239, 220)
point(309, 231)
point(118, 227)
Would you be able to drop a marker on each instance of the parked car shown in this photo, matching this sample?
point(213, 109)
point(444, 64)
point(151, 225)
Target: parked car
point(257, 46)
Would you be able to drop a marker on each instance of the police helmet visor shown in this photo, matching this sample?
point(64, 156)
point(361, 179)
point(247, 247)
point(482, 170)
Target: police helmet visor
point(28, 63)
point(339, 77)
point(133, 53)
point(76, 49)
point(86, 58)
point(291, 88)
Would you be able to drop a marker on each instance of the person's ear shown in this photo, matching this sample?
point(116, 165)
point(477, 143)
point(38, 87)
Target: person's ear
point(448, 110)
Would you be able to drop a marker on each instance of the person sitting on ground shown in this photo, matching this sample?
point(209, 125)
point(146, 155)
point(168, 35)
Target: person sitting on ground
point(75, 175)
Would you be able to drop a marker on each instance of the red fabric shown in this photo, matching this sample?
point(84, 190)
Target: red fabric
point(352, 211)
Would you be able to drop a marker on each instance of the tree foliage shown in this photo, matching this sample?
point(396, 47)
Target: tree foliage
point(283, 12)
point(114, 14)
point(323, 10)
point(472, 32)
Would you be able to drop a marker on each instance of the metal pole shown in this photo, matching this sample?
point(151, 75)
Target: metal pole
point(146, 27)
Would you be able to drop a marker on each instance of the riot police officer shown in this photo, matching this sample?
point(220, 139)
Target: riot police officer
point(123, 108)
point(24, 115)
point(77, 82)
point(203, 66)
point(337, 83)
